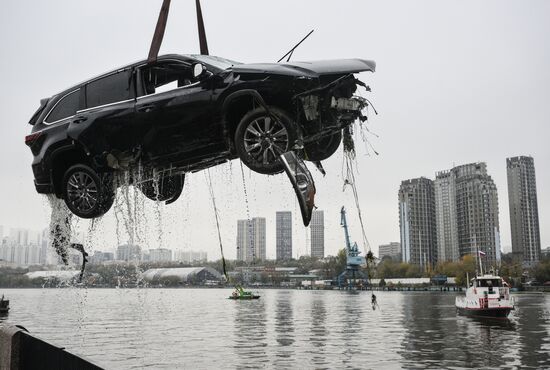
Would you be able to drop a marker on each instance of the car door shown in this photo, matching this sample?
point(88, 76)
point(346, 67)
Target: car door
point(178, 112)
point(107, 125)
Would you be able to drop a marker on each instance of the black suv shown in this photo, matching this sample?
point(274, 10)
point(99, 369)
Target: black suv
point(150, 123)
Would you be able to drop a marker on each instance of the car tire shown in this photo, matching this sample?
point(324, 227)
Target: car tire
point(168, 189)
point(259, 141)
point(86, 193)
point(323, 148)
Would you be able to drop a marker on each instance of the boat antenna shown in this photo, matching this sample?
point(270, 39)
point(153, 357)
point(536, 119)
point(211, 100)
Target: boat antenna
point(289, 54)
point(477, 256)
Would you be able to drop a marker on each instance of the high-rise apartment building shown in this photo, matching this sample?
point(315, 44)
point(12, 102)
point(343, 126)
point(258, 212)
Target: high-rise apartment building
point(466, 208)
point(283, 231)
point(128, 253)
point(392, 250)
point(160, 255)
point(317, 236)
point(445, 216)
point(102, 257)
point(477, 212)
point(19, 236)
point(417, 222)
point(524, 214)
point(191, 256)
point(251, 243)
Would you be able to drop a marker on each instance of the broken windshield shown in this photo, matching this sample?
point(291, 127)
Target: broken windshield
point(217, 62)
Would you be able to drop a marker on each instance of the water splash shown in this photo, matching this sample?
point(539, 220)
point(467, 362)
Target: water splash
point(248, 218)
point(60, 227)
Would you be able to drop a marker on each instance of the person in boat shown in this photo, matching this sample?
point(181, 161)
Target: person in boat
point(373, 301)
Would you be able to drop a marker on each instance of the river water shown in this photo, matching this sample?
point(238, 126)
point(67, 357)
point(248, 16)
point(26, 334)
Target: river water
point(200, 328)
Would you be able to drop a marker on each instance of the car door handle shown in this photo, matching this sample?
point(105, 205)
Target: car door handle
point(79, 119)
point(146, 108)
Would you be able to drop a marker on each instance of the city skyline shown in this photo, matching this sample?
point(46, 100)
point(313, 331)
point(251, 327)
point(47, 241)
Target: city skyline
point(445, 195)
point(457, 117)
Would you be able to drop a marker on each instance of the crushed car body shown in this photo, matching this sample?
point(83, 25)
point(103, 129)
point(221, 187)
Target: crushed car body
point(151, 122)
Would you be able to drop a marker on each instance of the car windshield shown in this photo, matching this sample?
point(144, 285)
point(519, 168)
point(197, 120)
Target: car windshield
point(217, 62)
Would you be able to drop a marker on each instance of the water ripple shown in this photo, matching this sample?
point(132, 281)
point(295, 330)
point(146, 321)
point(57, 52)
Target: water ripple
point(201, 329)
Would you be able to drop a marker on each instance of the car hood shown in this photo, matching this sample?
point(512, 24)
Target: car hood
point(309, 69)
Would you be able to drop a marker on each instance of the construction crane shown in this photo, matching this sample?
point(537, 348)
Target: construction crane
point(353, 259)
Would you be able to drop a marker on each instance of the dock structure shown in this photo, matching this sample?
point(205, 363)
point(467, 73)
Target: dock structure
point(20, 350)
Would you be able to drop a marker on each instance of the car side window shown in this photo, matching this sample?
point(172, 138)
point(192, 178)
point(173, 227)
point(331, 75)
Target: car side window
point(110, 89)
point(66, 107)
point(165, 76)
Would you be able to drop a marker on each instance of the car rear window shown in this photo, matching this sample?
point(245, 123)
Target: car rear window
point(110, 89)
point(66, 107)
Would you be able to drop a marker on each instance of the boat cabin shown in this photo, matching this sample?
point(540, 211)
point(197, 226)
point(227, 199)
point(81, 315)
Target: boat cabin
point(490, 285)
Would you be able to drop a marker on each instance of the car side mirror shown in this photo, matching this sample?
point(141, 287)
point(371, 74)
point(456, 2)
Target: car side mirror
point(198, 70)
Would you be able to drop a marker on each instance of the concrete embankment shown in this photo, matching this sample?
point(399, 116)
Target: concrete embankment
point(19, 350)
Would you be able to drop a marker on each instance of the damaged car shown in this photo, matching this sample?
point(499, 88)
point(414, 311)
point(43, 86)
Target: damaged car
point(150, 123)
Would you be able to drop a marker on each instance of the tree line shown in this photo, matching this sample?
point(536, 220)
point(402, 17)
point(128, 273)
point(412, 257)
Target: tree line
point(129, 275)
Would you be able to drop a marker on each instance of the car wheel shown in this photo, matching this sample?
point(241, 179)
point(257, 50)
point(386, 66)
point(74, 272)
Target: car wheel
point(260, 139)
point(167, 188)
point(323, 148)
point(87, 194)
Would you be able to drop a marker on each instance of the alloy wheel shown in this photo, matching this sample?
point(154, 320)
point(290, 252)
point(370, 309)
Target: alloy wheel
point(82, 191)
point(265, 140)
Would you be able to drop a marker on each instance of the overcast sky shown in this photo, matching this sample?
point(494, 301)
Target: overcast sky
point(456, 82)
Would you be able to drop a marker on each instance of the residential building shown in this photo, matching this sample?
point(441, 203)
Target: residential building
point(160, 255)
point(128, 253)
point(417, 222)
point(102, 257)
point(317, 234)
point(524, 214)
point(445, 216)
point(251, 242)
point(283, 231)
point(20, 255)
point(392, 250)
point(19, 236)
point(477, 212)
point(191, 256)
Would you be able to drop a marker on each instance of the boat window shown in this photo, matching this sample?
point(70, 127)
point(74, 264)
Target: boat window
point(489, 282)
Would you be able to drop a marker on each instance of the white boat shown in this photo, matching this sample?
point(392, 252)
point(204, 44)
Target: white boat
point(486, 296)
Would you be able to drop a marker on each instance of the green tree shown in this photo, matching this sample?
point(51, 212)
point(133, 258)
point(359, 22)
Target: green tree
point(466, 265)
point(541, 271)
